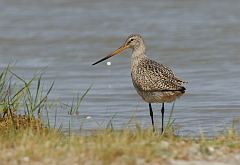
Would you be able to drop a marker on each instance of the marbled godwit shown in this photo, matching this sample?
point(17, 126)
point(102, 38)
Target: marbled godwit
point(154, 82)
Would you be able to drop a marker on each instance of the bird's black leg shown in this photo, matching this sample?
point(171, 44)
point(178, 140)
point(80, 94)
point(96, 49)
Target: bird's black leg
point(151, 114)
point(162, 110)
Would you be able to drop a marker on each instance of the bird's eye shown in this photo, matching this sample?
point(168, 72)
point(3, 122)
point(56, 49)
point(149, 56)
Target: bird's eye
point(130, 41)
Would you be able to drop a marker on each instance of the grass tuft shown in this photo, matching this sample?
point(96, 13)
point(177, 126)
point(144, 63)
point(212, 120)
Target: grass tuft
point(76, 102)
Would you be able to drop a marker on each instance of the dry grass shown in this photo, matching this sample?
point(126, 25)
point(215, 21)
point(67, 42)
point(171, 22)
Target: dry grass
point(20, 122)
point(35, 146)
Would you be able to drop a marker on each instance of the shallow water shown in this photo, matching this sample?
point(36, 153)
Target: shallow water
point(200, 40)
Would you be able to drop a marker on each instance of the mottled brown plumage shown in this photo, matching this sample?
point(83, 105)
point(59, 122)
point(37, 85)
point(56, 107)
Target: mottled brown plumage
point(153, 81)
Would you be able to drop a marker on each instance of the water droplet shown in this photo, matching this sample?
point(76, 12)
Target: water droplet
point(88, 117)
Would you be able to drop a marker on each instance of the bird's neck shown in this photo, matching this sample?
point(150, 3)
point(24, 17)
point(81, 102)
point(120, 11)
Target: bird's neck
point(137, 55)
point(138, 52)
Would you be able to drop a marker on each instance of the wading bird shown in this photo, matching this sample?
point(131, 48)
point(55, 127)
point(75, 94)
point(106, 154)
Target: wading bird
point(154, 82)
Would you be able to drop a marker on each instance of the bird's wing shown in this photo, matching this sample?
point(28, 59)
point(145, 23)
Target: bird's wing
point(163, 70)
point(152, 76)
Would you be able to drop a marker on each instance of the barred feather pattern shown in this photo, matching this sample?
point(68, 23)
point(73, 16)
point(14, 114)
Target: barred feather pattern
point(154, 82)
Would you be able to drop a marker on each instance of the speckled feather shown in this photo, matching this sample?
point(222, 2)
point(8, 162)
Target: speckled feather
point(153, 81)
point(148, 75)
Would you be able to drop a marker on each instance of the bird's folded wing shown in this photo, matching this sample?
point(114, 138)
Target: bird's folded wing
point(158, 86)
point(152, 76)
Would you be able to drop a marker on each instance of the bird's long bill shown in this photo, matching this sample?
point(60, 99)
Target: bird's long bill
point(112, 54)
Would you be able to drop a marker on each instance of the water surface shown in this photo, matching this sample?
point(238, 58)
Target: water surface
point(200, 40)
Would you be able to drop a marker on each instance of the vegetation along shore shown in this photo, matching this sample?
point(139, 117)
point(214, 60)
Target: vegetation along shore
point(27, 138)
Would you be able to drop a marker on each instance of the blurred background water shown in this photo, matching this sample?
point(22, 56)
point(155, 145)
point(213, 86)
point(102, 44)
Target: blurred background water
point(200, 40)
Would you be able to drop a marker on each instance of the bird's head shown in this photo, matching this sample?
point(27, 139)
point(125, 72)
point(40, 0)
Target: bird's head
point(134, 41)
